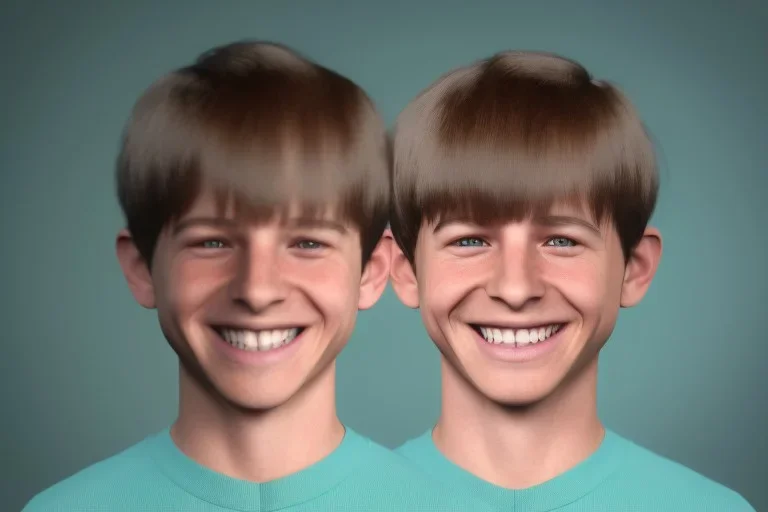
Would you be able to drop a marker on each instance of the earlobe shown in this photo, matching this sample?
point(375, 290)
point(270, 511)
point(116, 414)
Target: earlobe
point(641, 268)
point(375, 273)
point(135, 270)
point(403, 278)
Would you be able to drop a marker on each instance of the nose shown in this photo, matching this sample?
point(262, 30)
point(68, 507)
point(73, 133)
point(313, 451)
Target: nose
point(258, 282)
point(516, 280)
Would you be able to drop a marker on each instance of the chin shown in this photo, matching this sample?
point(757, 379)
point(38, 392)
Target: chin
point(256, 400)
point(511, 392)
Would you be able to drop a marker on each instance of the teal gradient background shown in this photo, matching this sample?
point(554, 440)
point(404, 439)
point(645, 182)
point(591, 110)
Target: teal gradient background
point(86, 372)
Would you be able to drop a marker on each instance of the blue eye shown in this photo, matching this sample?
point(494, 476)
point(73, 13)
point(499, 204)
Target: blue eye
point(212, 244)
point(561, 241)
point(469, 241)
point(309, 244)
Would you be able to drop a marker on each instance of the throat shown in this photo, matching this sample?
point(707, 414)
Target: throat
point(517, 447)
point(257, 446)
point(516, 458)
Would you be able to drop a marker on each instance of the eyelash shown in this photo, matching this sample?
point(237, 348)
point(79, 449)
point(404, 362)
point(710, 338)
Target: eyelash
point(298, 244)
point(458, 242)
point(202, 243)
point(573, 242)
point(318, 245)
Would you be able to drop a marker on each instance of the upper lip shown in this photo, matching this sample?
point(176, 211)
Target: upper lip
point(514, 325)
point(252, 327)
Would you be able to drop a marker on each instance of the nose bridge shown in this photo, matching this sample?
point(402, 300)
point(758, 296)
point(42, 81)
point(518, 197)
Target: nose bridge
point(258, 279)
point(516, 278)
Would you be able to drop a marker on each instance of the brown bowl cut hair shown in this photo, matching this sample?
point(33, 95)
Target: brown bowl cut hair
point(506, 137)
point(264, 129)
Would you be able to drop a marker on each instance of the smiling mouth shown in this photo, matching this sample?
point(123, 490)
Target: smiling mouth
point(260, 340)
point(516, 337)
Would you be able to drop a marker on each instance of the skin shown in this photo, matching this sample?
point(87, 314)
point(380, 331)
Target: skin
point(498, 413)
point(274, 414)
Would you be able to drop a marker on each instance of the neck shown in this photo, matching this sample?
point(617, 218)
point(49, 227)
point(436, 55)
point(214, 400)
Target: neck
point(258, 446)
point(518, 447)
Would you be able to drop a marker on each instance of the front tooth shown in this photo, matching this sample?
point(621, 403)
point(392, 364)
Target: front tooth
point(249, 339)
point(508, 336)
point(521, 336)
point(533, 335)
point(265, 340)
point(277, 338)
point(497, 336)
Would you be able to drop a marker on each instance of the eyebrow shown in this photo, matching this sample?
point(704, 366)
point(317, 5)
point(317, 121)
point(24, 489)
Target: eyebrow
point(213, 222)
point(442, 224)
point(225, 223)
point(562, 220)
point(313, 223)
point(549, 220)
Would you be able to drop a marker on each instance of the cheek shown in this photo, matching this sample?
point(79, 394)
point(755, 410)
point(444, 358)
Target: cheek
point(331, 285)
point(585, 284)
point(443, 285)
point(188, 285)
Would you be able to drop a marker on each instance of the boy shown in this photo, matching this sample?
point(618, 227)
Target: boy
point(522, 192)
point(255, 185)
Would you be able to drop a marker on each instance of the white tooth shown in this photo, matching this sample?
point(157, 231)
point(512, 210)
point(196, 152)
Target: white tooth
point(484, 332)
point(277, 338)
point(548, 332)
point(265, 340)
point(497, 336)
point(533, 336)
point(542, 334)
point(509, 336)
point(292, 333)
point(521, 336)
point(250, 340)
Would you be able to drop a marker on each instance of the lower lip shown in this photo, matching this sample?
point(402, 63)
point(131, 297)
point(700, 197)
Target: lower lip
point(520, 354)
point(258, 357)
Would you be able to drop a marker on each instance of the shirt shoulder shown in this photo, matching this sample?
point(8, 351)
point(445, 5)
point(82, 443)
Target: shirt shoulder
point(100, 485)
point(660, 479)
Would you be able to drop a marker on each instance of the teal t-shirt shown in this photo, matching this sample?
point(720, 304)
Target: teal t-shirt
point(619, 476)
point(154, 475)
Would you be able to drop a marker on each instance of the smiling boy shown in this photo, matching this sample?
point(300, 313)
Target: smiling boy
point(523, 188)
point(255, 186)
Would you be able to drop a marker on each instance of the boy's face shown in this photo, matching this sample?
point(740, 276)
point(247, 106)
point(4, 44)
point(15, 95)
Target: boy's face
point(520, 307)
point(255, 310)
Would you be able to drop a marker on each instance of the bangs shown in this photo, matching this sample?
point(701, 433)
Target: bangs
point(494, 143)
point(489, 182)
point(264, 142)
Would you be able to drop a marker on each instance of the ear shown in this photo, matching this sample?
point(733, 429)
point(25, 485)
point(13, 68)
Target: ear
point(135, 270)
point(641, 268)
point(376, 272)
point(404, 278)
